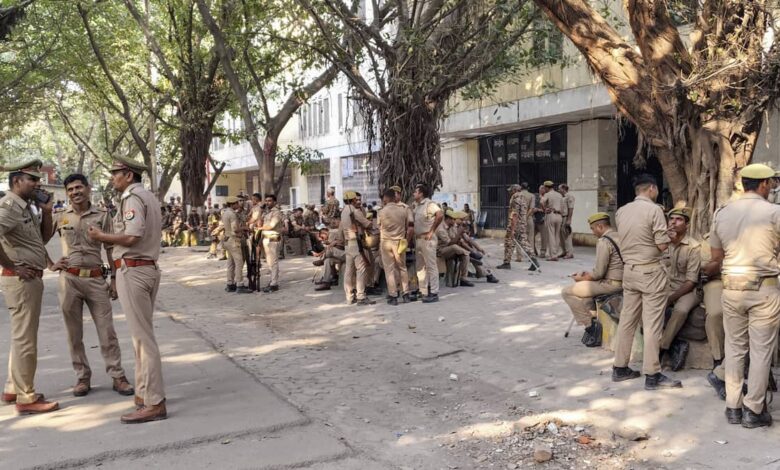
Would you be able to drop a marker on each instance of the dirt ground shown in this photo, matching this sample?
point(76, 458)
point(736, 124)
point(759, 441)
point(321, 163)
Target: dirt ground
point(482, 379)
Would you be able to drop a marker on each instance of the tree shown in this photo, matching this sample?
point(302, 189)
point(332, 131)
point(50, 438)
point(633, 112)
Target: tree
point(259, 66)
point(699, 108)
point(10, 16)
point(406, 59)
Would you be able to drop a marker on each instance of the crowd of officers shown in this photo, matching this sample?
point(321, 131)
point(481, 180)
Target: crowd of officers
point(130, 240)
point(664, 274)
point(359, 241)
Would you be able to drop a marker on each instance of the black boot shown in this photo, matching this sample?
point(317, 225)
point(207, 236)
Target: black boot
point(406, 298)
point(506, 265)
point(230, 288)
point(365, 301)
point(534, 264)
point(392, 301)
point(491, 279)
point(719, 386)
point(734, 415)
point(466, 283)
point(752, 420)
point(430, 298)
point(679, 352)
point(620, 374)
point(659, 380)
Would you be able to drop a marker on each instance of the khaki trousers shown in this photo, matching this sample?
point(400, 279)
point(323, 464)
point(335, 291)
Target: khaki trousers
point(271, 248)
point(23, 299)
point(713, 322)
point(455, 251)
point(235, 264)
point(552, 224)
point(680, 311)
point(335, 258)
point(579, 296)
point(74, 292)
point(377, 267)
point(567, 245)
point(137, 288)
point(427, 269)
point(751, 320)
point(355, 271)
point(542, 231)
point(394, 265)
point(644, 299)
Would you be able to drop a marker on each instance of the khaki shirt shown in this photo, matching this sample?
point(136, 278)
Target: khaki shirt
point(273, 219)
point(231, 223)
point(554, 201)
point(608, 263)
point(81, 250)
point(20, 232)
point(684, 262)
point(347, 227)
point(424, 215)
point(568, 200)
point(393, 221)
point(443, 235)
point(642, 226)
point(138, 216)
point(255, 216)
point(530, 200)
point(748, 231)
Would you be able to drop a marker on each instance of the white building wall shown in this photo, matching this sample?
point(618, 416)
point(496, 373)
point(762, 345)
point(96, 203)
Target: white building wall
point(460, 174)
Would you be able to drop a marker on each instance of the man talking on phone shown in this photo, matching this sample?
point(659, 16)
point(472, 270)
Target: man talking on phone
point(23, 235)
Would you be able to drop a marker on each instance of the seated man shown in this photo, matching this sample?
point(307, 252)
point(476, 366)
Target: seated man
point(330, 258)
point(606, 277)
point(476, 252)
point(298, 229)
point(449, 235)
point(684, 264)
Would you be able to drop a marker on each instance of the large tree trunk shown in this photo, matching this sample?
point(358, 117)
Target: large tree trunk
point(195, 142)
point(267, 165)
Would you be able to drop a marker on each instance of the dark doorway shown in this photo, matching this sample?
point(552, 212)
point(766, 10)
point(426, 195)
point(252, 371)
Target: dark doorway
point(628, 141)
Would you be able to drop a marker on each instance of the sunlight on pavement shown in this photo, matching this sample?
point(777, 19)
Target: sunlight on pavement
point(190, 358)
point(76, 417)
point(287, 343)
point(519, 328)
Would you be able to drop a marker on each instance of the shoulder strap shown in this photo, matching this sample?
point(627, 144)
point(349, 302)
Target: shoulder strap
point(615, 246)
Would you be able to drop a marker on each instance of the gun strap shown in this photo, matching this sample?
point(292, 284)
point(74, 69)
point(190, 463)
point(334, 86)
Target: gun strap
point(615, 246)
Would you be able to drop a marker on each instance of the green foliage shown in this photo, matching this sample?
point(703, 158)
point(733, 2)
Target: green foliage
point(304, 158)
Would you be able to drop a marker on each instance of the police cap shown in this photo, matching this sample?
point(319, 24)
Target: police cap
point(597, 217)
point(757, 171)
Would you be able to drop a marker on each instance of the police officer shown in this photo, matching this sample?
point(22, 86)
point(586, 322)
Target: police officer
point(552, 203)
point(81, 282)
point(23, 235)
point(232, 240)
point(606, 277)
point(272, 234)
point(427, 218)
point(136, 241)
point(643, 239)
point(394, 220)
point(744, 238)
point(566, 233)
point(356, 263)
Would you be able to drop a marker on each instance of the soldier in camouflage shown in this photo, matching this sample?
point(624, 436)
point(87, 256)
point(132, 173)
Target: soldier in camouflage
point(517, 230)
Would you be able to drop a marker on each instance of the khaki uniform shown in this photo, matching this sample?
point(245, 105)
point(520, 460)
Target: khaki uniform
point(607, 279)
point(567, 245)
point(748, 231)
point(86, 287)
point(684, 265)
point(232, 242)
point(271, 239)
point(393, 222)
point(518, 206)
point(553, 201)
point(448, 247)
point(713, 306)
point(137, 286)
point(425, 250)
point(334, 255)
point(356, 267)
point(20, 235)
point(642, 226)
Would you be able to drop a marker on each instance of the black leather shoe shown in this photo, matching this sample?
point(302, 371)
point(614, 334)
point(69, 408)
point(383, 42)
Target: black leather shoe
point(734, 415)
point(366, 301)
point(322, 286)
point(678, 354)
point(504, 266)
point(752, 420)
point(466, 283)
point(392, 301)
point(430, 298)
point(534, 264)
point(406, 298)
point(620, 374)
point(230, 288)
point(719, 386)
point(659, 380)
point(491, 279)
point(414, 296)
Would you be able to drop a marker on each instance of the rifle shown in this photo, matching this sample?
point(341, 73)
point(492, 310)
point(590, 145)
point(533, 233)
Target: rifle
point(358, 236)
point(249, 259)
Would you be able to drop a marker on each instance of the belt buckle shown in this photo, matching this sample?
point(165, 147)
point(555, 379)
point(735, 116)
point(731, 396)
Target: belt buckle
point(85, 272)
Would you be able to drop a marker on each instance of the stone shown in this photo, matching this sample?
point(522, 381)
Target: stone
point(631, 433)
point(542, 453)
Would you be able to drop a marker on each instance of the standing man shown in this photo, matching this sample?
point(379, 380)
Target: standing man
point(23, 235)
point(136, 241)
point(356, 262)
point(606, 277)
point(395, 232)
point(427, 218)
point(539, 220)
point(272, 235)
point(552, 203)
point(684, 263)
point(744, 238)
point(566, 232)
point(81, 282)
point(330, 209)
point(516, 229)
point(643, 239)
point(530, 200)
point(232, 239)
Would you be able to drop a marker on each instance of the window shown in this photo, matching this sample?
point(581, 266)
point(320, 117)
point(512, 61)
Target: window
point(325, 115)
point(340, 107)
point(221, 190)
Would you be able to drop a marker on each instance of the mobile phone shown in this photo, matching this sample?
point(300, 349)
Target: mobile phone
point(42, 197)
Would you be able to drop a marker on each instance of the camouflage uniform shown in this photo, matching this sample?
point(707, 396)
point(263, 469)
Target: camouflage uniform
point(517, 206)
